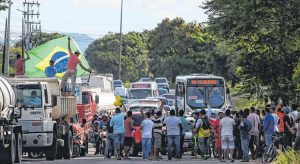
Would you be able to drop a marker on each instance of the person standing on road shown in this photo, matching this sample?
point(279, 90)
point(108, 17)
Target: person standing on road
point(20, 64)
point(237, 154)
point(227, 139)
point(195, 137)
point(147, 128)
point(128, 140)
point(294, 112)
point(217, 134)
point(202, 129)
point(157, 133)
point(184, 129)
point(109, 141)
point(288, 129)
point(174, 126)
point(245, 127)
point(117, 123)
point(269, 126)
point(102, 125)
point(254, 132)
point(72, 69)
point(297, 142)
point(50, 71)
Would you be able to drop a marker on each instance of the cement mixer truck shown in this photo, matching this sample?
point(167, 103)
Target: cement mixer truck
point(10, 132)
point(46, 117)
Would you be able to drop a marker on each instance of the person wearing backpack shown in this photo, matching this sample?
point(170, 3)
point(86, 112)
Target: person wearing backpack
point(203, 130)
point(245, 127)
point(288, 129)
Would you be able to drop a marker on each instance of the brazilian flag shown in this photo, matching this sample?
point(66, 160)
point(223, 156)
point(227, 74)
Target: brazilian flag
point(56, 50)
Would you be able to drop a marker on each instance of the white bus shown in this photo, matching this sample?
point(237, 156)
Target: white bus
point(197, 91)
point(142, 90)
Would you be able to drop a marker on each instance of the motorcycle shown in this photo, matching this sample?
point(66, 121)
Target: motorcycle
point(76, 146)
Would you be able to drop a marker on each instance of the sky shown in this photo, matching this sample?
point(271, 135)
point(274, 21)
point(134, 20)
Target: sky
point(99, 17)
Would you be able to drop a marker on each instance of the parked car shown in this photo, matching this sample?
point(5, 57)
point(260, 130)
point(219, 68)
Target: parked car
point(118, 83)
point(162, 82)
point(170, 99)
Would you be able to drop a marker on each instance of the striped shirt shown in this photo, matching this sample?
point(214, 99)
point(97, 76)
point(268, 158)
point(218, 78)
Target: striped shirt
point(158, 124)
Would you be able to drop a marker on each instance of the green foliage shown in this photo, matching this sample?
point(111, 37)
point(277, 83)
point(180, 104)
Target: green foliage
point(263, 36)
point(291, 157)
point(3, 4)
point(178, 48)
point(103, 55)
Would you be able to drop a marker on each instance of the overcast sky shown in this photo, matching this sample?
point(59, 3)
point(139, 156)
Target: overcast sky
point(98, 17)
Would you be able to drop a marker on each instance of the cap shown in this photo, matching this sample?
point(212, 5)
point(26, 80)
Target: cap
point(105, 115)
point(77, 52)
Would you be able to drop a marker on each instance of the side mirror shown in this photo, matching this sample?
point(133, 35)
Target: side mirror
point(72, 120)
point(53, 100)
point(97, 99)
point(17, 113)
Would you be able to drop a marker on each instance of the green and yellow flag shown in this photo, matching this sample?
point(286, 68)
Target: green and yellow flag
point(56, 50)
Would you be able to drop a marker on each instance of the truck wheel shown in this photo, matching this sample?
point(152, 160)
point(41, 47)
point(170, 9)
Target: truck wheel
point(12, 149)
point(76, 150)
point(50, 153)
point(19, 148)
point(68, 149)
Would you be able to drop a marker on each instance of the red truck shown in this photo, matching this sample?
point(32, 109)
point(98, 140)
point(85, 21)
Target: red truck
point(83, 122)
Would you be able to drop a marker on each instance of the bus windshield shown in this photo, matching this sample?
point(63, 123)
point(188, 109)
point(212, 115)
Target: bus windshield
point(139, 93)
point(201, 96)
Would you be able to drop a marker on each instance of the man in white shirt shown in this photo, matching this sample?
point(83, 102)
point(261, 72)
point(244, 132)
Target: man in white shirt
point(147, 128)
point(294, 112)
point(227, 140)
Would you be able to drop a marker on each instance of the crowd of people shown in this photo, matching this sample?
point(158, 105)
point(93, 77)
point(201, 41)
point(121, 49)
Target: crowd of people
point(236, 136)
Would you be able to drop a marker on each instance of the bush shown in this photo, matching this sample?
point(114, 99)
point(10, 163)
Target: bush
point(289, 157)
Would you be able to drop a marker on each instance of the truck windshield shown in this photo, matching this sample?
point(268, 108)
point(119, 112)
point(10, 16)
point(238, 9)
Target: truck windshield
point(29, 95)
point(139, 93)
point(201, 96)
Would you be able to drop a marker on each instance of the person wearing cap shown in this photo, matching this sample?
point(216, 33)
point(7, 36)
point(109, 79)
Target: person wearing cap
point(50, 71)
point(288, 128)
point(117, 123)
point(72, 68)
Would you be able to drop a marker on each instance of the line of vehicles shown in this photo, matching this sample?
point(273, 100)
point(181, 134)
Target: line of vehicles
point(37, 119)
point(192, 93)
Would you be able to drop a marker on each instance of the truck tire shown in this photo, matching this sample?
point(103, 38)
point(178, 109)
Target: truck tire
point(76, 150)
point(11, 151)
point(19, 152)
point(51, 152)
point(68, 146)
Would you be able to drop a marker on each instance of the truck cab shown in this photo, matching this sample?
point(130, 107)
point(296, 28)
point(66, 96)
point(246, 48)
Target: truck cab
point(37, 113)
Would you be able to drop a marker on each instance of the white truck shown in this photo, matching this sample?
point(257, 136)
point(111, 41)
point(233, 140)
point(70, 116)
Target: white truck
point(101, 85)
point(45, 117)
point(10, 132)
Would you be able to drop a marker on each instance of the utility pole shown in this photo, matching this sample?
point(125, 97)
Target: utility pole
point(6, 61)
point(32, 26)
point(120, 54)
point(4, 47)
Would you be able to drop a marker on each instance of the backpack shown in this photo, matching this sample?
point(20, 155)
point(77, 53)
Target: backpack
point(206, 123)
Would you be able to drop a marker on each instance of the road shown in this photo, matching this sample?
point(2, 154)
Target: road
point(91, 159)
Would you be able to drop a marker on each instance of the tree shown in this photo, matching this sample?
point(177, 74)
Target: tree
point(178, 48)
point(103, 55)
point(265, 36)
point(3, 4)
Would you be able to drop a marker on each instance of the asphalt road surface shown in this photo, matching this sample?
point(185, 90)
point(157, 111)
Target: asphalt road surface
point(91, 159)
